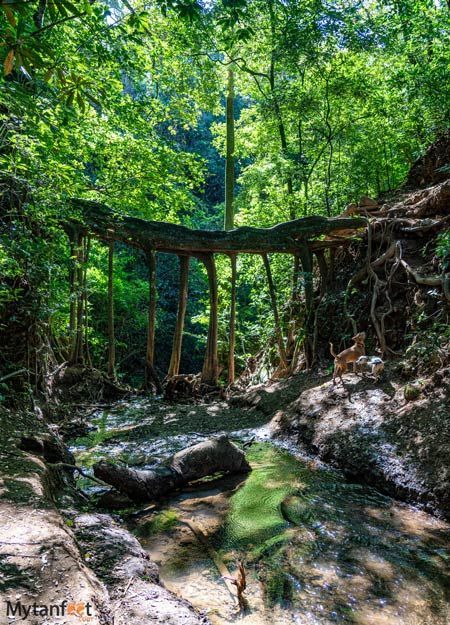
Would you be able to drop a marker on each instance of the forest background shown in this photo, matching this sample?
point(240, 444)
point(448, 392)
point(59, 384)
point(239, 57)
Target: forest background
point(124, 102)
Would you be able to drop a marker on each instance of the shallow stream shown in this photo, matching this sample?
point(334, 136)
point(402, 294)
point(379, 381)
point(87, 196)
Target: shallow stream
point(316, 548)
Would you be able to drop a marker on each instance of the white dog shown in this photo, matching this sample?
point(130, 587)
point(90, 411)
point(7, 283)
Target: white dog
point(374, 364)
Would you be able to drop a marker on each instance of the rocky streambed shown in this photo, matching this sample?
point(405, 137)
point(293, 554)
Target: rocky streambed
point(317, 548)
point(58, 564)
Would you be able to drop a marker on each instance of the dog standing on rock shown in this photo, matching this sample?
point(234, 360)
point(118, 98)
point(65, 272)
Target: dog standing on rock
point(349, 355)
point(373, 364)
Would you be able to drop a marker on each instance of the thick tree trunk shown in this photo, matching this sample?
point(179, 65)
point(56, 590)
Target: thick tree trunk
point(331, 266)
point(232, 338)
point(295, 277)
point(229, 164)
point(307, 266)
point(210, 372)
point(273, 299)
point(111, 338)
point(174, 367)
point(323, 269)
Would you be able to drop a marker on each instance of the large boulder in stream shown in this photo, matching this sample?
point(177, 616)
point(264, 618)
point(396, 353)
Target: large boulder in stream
point(212, 456)
point(215, 455)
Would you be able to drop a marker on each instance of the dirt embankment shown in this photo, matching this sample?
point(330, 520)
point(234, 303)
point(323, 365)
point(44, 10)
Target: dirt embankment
point(52, 558)
point(368, 430)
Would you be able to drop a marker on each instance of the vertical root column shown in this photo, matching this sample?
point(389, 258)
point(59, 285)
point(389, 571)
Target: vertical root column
point(87, 249)
point(210, 372)
point(72, 296)
point(307, 266)
point(151, 376)
point(232, 338)
point(78, 350)
point(273, 299)
point(77, 278)
point(111, 337)
point(174, 367)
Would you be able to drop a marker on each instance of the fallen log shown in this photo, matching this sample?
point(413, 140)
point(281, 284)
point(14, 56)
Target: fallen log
point(216, 455)
point(136, 484)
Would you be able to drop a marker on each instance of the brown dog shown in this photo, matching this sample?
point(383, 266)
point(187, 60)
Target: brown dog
point(348, 355)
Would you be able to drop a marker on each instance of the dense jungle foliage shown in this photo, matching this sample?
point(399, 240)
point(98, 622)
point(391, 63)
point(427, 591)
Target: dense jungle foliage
point(123, 102)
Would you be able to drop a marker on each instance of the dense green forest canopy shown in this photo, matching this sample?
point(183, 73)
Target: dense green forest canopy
point(123, 102)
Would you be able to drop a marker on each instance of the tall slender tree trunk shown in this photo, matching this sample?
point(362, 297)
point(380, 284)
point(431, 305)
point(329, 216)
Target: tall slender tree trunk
point(277, 110)
point(174, 367)
point(232, 338)
point(307, 266)
point(330, 148)
point(273, 299)
point(328, 180)
point(229, 215)
point(210, 372)
point(283, 141)
point(229, 164)
point(151, 376)
point(111, 338)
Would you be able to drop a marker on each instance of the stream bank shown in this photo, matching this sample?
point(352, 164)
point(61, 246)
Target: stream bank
point(368, 430)
point(55, 557)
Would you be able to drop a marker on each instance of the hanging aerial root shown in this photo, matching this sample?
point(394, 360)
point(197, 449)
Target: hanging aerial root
point(273, 299)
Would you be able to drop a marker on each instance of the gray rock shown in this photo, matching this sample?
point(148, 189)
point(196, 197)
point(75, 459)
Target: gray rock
point(209, 457)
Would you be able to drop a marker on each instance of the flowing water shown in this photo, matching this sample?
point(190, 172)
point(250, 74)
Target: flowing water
point(316, 549)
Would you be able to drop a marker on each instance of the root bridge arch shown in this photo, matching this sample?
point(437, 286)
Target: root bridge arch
point(299, 238)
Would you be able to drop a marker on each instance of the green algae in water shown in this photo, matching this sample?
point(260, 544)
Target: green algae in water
point(98, 436)
point(310, 541)
point(255, 526)
point(160, 522)
point(255, 515)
